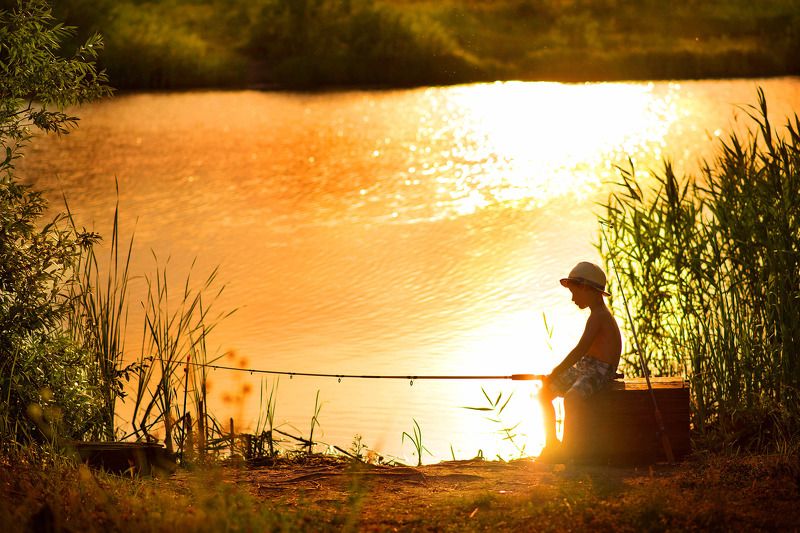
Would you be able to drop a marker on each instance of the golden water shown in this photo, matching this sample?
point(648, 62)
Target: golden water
point(399, 232)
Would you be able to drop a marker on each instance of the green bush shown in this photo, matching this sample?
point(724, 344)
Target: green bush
point(46, 380)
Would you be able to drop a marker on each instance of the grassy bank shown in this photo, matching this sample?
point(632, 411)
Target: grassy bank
point(321, 43)
point(713, 494)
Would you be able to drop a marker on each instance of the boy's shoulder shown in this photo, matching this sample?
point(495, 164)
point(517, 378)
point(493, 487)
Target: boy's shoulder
point(603, 315)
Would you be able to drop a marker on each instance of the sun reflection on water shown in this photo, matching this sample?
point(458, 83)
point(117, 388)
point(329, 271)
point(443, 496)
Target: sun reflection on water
point(525, 144)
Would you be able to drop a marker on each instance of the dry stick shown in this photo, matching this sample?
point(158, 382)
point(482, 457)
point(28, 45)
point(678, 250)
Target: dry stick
point(233, 438)
point(201, 430)
point(656, 411)
point(189, 446)
point(185, 394)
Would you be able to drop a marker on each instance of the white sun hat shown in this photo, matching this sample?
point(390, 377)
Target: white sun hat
point(586, 273)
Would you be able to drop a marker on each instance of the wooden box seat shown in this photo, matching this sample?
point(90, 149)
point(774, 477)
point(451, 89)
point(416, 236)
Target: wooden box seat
point(140, 458)
point(618, 425)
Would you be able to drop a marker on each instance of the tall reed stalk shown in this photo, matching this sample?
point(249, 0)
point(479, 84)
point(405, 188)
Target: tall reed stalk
point(711, 268)
point(98, 317)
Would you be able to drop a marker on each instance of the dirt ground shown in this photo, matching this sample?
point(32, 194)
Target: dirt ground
point(732, 493)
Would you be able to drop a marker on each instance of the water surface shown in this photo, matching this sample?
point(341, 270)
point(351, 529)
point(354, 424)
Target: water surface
point(396, 232)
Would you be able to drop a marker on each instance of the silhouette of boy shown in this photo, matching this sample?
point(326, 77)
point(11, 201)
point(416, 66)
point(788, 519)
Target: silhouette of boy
point(592, 363)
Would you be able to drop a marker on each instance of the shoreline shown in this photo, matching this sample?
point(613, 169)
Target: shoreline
point(323, 493)
point(336, 89)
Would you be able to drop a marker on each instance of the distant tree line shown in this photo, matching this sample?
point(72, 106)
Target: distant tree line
point(175, 44)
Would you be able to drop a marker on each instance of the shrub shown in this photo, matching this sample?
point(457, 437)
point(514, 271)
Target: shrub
point(45, 378)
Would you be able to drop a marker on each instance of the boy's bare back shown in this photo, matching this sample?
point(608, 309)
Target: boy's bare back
point(606, 340)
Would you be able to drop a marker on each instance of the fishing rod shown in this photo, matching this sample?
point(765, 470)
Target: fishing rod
point(656, 411)
point(411, 378)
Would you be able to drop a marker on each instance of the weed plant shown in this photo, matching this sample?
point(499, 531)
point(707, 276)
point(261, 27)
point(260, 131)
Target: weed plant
point(416, 441)
point(493, 411)
point(174, 335)
point(711, 270)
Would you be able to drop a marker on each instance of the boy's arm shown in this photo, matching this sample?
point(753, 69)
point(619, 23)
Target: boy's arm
point(589, 334)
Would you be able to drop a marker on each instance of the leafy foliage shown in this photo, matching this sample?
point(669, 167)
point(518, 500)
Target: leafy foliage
point(38, 83)
point(45, 378)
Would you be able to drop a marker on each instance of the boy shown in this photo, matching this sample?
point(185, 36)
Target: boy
point(593, 362)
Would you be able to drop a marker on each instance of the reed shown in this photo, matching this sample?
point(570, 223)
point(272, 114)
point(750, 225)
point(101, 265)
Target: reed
point(265, 426)
point(711, 269)
point(314, 424)
point(416, 441)
point(98, 318)
point(493, 411)
point(174, 332)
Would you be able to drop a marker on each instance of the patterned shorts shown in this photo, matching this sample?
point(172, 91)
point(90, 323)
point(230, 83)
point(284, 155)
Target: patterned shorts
point(585, 377)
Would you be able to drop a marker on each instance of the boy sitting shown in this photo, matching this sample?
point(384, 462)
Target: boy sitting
point(592, 364)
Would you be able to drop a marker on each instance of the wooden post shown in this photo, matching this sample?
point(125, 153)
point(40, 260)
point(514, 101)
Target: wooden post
point(201, 430)
point(168, 431)
point(188, 445)
point(233, 438)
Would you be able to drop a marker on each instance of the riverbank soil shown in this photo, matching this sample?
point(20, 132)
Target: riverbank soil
point(324, 493)
point(754, 493)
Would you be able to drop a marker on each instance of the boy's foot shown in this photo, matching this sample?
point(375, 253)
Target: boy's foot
point(551, 454)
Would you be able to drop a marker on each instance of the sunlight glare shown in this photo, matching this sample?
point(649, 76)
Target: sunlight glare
point(581, 132)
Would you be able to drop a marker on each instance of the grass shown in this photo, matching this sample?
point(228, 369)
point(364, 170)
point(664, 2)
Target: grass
point(711, 268)
point(416, 441)
point(716, 494)
point(493, 413)
point(708, 494)
point(55, 495)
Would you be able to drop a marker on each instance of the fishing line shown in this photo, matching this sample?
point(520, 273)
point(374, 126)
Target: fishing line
point(340, 377)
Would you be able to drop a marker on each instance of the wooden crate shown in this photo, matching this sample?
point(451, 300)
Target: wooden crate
point(140, 458)
point(618, 426)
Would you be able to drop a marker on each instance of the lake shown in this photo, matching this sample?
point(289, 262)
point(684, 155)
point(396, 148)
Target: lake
point(402, 232)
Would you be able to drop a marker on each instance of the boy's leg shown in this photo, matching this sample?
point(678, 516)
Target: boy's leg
point(556, 385)
point(593, 376)
point(546, 397)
